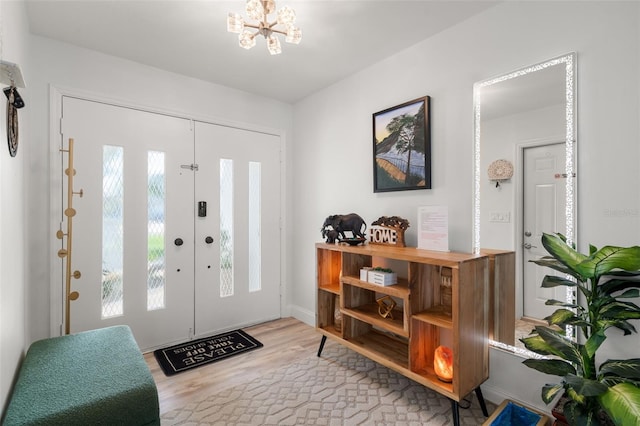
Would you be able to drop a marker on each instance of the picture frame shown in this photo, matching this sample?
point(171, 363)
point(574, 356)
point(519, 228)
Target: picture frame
point(402, 147)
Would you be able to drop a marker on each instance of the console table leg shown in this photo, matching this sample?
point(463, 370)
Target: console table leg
point(324, 339)
point(481, 401)
point(455, 411)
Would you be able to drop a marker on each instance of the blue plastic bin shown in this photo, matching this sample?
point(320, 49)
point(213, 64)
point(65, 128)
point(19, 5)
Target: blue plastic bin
point(512, 414)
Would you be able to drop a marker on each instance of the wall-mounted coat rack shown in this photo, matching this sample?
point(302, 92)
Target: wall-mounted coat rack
point(65, 252)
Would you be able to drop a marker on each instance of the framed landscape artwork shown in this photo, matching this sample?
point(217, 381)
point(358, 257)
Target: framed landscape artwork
point(402, 147)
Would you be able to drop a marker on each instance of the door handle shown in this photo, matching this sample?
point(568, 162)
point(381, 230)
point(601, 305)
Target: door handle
point(178, 242)
point(208, 240)
point(528, 246)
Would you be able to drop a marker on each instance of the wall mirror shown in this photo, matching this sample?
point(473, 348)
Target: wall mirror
point(524, 184)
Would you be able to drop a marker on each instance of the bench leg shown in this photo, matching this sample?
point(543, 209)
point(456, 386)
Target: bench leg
point(322, 342)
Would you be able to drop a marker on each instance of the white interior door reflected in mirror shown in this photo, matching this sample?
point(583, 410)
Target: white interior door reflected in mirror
point(544, 211)
point(525, 117)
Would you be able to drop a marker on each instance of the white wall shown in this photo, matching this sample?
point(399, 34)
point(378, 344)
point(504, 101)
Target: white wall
point(333, 142)
point(13, 321)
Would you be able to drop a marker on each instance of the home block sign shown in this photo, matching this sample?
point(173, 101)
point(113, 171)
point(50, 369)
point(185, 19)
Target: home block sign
point(383, 235)
point(388, 230)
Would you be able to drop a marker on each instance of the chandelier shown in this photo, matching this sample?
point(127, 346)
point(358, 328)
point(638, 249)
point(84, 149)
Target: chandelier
point(259, 10)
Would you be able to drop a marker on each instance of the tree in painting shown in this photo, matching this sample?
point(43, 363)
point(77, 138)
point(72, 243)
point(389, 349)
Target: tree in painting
point(405, 126)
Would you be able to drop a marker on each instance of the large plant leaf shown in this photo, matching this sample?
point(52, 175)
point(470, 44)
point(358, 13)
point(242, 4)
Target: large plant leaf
point(554, 302)
point(575, 398)
point(631, 293)
point(632, 306)
point(578, 414)
point(615, 285)
point(626, 368)
point(556, 367)
point(625, 273)
point(550, 281)
point(579, 322)
point(538, 345)
point(628, 315)
point(614, 380)
point(556, 265)
point(622, 310)
point(562, 346)
point(550, 390)
point(622, 404)
point(563, 253)
point(561, 317)
point(594, 342)
point(623, 325)
point(585, 387)
point(608, 259)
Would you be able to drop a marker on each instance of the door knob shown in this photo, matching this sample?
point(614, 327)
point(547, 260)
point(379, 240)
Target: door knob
point(208, 240)
point(178, 242)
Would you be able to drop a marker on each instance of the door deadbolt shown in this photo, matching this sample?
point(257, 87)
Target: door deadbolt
point(178, 242)
point(202, 209)
point(208, 240)
point(527, 234)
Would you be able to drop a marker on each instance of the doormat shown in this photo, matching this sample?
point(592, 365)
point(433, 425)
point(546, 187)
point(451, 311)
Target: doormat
point(178, 358)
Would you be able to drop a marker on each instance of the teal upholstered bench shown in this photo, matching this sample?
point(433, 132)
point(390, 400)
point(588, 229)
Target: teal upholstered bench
point(97, 377)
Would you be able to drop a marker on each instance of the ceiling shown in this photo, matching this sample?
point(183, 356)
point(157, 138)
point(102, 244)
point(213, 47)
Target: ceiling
point(340, 37)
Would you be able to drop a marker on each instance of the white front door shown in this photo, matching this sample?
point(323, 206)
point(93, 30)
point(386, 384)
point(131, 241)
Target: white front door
point(238, 238)
point(148, 256)
point(137, 200)
point(544, 212)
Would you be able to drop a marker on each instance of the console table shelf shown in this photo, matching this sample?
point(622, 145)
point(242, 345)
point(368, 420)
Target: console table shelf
point(441, 298)
point(369, 314)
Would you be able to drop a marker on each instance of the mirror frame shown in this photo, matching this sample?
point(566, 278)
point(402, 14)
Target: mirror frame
point(569, 61)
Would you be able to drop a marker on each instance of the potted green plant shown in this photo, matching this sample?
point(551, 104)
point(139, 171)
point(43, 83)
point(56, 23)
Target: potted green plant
point(607, 280)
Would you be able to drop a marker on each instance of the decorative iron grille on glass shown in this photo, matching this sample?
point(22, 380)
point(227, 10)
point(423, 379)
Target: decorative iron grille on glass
point(259, 10)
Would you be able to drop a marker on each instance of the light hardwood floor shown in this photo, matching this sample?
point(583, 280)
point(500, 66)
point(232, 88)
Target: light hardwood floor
point(285, 341)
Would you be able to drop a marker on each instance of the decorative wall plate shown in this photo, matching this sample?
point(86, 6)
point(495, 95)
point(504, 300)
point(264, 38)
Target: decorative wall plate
point(500, 170)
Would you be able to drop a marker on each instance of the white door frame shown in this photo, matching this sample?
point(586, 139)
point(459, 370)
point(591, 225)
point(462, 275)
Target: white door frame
point(56, 94)
point(519, 213)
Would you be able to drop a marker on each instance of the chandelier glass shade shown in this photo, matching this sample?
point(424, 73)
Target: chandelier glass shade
point(259, 10)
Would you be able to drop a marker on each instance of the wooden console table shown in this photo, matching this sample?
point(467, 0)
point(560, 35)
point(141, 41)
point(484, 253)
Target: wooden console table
point(442, 299)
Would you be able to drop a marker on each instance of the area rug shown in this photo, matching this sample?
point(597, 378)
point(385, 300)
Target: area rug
point(178, 358)
point(339, 388)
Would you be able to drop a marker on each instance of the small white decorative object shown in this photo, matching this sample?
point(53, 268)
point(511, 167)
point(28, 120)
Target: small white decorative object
point(364, 273)
point(382, 278)
point(500, 170)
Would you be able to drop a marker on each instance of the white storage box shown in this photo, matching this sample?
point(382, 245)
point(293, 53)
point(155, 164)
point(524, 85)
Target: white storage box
point(364, 273)
point(382, 278)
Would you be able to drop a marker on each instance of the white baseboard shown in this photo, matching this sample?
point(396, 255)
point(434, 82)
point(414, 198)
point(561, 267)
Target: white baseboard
point(304, 315)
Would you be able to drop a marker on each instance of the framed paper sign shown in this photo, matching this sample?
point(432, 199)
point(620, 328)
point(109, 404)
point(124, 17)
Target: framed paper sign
point(402, 147)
